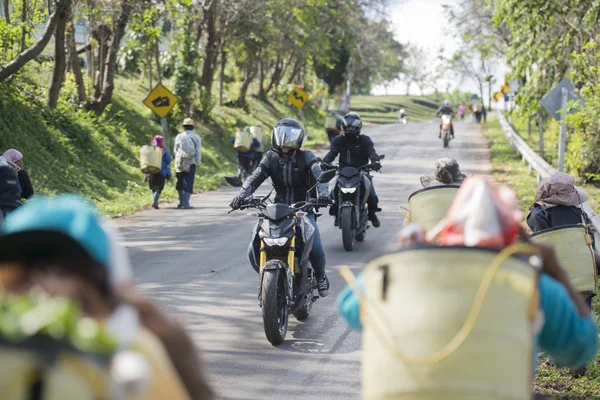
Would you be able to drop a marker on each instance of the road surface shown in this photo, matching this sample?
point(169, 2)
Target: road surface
point(194, 263)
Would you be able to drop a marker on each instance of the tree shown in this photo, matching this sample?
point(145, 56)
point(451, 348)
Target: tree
point(60, 56)
point(27, 55)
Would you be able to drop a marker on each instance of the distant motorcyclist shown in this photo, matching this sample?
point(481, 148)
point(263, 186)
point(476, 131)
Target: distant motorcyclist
point(293, 172)
point(356, 150)
point(401, 115)
point(445, 109)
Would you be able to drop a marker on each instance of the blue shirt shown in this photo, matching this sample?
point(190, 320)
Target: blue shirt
point(166, 162)
point(570, 339)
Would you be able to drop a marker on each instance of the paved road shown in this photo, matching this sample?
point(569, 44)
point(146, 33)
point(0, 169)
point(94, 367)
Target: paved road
point(194, 263)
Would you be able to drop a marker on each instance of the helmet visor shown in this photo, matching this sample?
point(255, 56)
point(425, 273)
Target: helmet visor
point(288, 136)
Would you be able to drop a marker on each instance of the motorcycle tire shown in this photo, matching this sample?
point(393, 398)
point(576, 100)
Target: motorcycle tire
point(446, 139)
point(347, 231)
point(274, 306)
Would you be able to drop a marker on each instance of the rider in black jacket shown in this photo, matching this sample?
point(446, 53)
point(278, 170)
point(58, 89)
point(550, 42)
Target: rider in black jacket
point(293, 172)
point(356, 150)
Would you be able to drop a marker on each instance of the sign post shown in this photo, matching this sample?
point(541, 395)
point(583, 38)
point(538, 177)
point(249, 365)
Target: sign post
point(555, 102)
point(562, 134)
point(298, 99)
point(161, 101)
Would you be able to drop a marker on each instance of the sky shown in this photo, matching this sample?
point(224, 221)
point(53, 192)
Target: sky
point(424, 23)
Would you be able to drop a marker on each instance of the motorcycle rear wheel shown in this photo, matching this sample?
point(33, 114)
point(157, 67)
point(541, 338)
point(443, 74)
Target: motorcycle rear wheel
point(274, 306)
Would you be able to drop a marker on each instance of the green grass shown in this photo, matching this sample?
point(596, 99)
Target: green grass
point(70, 151)
point(551, 150)
point(384, 109)
point(508, 168)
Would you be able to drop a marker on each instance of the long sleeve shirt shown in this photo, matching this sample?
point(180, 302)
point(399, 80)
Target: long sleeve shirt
point(191, 144)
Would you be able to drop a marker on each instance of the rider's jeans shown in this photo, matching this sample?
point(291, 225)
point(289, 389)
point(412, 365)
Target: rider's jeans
point(373, 200)
point(317, 255)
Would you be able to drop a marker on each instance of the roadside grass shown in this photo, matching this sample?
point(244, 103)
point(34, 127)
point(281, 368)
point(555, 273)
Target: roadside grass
point(551, 381)
point(68, 150)
point(384, 109)
point(521, 125)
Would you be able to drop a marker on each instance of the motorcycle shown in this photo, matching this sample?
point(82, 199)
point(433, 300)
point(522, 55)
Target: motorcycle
point(283, 240)
point(351, 192)
point(403, 120)
point(446, 129)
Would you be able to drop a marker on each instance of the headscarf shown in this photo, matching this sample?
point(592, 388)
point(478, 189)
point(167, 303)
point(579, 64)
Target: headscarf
point(447, 172)
point(158, 141)
point(13, 156)
point(559, 190)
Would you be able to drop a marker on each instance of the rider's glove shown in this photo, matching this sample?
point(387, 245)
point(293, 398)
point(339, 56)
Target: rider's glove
point(376, 166)
point(326, 167)
point(324, 199)
point(237, 201)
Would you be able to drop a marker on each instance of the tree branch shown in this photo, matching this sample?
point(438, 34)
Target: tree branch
point(23, 58)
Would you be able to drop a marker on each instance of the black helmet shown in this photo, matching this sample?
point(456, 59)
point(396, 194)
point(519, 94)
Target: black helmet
point(288, 133)
point(352, 124)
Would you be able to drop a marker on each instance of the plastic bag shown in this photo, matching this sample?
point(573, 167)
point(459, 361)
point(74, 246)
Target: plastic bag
point(483, 213)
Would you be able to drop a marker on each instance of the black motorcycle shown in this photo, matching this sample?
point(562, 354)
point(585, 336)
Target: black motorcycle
point(350, 193)
point(282, 242)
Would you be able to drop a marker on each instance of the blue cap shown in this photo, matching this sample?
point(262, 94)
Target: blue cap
point(65, 225)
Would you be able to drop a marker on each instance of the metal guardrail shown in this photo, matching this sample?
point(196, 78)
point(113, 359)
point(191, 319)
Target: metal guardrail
point(540, 165)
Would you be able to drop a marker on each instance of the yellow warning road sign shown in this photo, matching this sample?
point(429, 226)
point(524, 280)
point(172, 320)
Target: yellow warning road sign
point(498, 96)
point(161, 100)
point(298, 98)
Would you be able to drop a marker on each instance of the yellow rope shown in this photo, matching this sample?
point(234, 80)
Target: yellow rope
point(469, 323)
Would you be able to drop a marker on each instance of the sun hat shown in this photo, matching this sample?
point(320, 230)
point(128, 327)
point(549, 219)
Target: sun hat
point(65, 225)
point(447, 171)
point(559, 190)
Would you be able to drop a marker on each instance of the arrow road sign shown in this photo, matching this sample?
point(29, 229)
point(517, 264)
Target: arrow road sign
point(298, 98)
point(161, 100)
point(552, 102)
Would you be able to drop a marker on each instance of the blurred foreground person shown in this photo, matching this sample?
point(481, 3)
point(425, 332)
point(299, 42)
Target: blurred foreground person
point(72, 326)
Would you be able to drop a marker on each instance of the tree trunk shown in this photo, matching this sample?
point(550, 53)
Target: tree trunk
point(408, 87)
point(208, 70)
point(249, 73)
point(6, 5)
point(276, 72)
point(295, 71)
point(73, 61)
point(157, 60)
point(32, 52)
point(60, 57)
point(149, 63)
point(23, 21)
point(221, 83)
point(262, 94)
point(102, 35)
point(99, 104)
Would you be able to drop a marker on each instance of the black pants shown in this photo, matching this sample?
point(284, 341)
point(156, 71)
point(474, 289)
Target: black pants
point(185, 180)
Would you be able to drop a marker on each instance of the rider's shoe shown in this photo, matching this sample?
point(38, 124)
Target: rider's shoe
point(374, 220)
point(323, 286)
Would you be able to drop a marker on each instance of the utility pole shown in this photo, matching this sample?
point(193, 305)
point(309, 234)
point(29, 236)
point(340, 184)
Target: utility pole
point(163, 121)
point(562, 135)
point(541, 131)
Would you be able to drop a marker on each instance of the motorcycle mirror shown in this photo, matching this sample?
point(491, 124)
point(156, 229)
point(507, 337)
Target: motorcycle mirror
point(326, 176)
point(381, 157)
point(234, 181)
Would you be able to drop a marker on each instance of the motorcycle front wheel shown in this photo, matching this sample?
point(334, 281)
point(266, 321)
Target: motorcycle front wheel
point(347, 231)
point(274, 306)
point(446, 139)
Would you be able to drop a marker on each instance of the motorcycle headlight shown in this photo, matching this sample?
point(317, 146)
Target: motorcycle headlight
point(348, 190)
point(275, 241)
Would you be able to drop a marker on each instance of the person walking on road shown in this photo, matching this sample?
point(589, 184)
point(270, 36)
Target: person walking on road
point(157, 180)
point(259, 134)
point(60, 247)
point(293, 172)
point(188, 154)
point(15, 159)
point(245, 156)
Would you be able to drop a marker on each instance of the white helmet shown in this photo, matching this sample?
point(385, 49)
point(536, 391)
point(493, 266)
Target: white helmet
point(447, 103)
point(402, 111)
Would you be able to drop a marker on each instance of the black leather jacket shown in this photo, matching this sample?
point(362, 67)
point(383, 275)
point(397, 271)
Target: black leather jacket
point(353, 152)
point(292, 176)
point(444, 110)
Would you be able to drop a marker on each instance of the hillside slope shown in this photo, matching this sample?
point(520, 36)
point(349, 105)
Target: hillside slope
point(69, 150)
